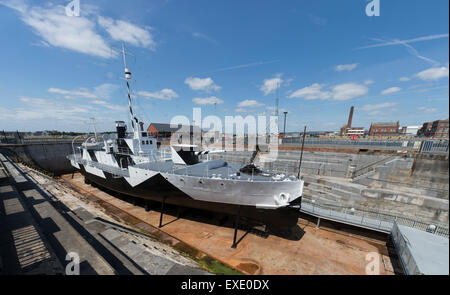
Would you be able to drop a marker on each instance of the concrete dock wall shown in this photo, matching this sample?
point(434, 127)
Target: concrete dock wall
point(412, 185)
point(400, 185)
point(48, 156)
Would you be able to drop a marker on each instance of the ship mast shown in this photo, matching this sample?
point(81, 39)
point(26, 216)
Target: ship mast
point(135, 126)
point(128, 77)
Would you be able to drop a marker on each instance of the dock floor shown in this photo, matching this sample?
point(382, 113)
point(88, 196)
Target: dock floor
point(310, 250)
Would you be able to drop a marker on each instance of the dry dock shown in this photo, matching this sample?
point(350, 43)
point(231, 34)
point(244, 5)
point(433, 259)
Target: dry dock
point(310, 250)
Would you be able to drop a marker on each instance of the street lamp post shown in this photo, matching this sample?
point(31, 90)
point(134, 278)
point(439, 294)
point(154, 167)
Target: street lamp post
point(284, 130)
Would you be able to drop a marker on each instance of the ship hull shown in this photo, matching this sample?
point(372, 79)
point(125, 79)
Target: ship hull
point(158, 189)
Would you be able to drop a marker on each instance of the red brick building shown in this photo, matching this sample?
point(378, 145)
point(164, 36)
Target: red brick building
point(384, 129)
point(164, 131)
point(161, 130)
point(437, 129)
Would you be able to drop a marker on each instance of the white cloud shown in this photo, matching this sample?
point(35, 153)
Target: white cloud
point(404, 79)
point(18, 5)
point(311, 92)
point(241, 110)
point(103, 91)
point(205, 37)
point(48, 114)
point(344, 91)
point(390, 90)
point(81, 33)
point(270, 85)
point(100, 102)
point(249, 103)
point(109, 106)
point(434, 73)
point(347, 67)
point(130, 33)
point(38, 108)
point(164, 94)
point(56, 29)
point(348, 91)
point(374, 107)
point(368, 82)
point(207, 101)
point(205, 84)
point(79, 93)
point(427, 110)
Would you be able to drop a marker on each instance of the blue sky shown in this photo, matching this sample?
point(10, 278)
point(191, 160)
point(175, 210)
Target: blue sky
point(227, 57)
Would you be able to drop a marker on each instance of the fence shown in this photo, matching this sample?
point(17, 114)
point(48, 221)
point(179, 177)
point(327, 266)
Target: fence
point(431, 146)
point(377, 220)
point(423, 146)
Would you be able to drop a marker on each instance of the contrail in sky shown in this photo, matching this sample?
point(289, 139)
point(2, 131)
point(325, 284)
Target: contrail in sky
point(397, 42)
point(242, 66)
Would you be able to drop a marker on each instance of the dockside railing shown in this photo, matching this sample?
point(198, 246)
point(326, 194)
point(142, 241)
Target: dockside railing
point(376, 220)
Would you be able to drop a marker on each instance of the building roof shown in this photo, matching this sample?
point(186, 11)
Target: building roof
point(385, 124)
point(164, 127)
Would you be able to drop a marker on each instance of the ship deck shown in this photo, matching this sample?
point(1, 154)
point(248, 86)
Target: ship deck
point(201, 170)
point(326, 250)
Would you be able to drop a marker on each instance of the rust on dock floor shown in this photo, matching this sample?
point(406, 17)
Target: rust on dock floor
point(317, 251)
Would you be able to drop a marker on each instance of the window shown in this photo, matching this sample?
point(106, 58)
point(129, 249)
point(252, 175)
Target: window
point(146, 142)
point(151, 141)
point(143, 142)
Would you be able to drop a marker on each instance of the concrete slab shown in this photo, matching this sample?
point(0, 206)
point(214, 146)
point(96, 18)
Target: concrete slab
point(3, 175)
point(23, 248)
point(154, 264)
point(110, 234)
point(429, 252)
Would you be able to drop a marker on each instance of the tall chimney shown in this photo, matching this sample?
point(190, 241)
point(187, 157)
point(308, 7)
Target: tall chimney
point(350, 117)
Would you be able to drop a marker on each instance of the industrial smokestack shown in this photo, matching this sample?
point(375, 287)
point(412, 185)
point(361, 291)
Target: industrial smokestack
point(350, 117)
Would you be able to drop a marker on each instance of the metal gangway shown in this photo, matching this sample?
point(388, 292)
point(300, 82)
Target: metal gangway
point(373, 220)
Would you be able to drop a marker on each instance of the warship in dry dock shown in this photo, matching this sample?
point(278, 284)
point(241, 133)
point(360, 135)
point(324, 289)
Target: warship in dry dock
point(133, 165)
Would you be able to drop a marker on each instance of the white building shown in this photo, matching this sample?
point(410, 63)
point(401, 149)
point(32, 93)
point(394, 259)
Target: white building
point(410, 130)
point(358, 131)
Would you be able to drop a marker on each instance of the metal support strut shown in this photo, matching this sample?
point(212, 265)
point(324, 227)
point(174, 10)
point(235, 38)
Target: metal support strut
point(236, 226)
point(178, 212)
point(162, 212)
